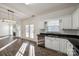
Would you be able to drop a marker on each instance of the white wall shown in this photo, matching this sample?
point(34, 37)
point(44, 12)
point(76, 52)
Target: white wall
point(4, 28)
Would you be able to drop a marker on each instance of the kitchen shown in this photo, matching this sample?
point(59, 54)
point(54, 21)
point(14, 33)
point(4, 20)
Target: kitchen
point(52, 27)
point(61, 34)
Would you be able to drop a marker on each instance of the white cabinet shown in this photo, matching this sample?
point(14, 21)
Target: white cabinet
point(66, 22)
point(47, 42)
point(66, 47)
point(69, 48)
point(75, 18)
point(63, 45)
point(52, 43)
point(55, 44)
point(59, 44)
point(70, 21)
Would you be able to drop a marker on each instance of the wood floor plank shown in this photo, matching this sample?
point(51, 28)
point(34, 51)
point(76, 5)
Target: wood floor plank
point(7, 45)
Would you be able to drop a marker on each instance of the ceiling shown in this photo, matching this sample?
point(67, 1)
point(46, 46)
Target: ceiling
point(23, 11)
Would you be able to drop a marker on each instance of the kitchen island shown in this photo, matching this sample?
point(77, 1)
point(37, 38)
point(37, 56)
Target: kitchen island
point(63, 42)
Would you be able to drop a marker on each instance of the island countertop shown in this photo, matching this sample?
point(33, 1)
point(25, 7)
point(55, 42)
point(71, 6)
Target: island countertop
point(61, 35)
point(74, 39)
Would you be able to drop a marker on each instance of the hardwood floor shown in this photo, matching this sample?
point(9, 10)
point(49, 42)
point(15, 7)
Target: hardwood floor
point(32, 49)
point(40, 51)
point(5, 41)
point(12, 49)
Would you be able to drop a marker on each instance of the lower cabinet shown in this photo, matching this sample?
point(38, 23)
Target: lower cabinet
point(48, 42)
point(59, 44)
point(55, 44)
point(63, 45)
point(52, 43)
point(69, 48)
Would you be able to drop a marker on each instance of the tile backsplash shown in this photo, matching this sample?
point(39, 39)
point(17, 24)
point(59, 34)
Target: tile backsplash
point(74, 32)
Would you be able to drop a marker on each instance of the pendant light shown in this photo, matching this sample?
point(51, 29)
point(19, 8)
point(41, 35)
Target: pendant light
point(10, 15)
point(2, 17)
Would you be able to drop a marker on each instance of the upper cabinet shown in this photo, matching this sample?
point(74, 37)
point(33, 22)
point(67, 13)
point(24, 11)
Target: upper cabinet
point(75, 18)
point(65, 22)
point(70, 21)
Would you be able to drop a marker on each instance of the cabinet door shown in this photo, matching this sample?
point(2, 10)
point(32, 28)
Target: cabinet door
point(52, 43)
point(69, 49)
point(48, 42)
point(66, 22)
point(75, 19)
point(55, 44)
point(63, 45)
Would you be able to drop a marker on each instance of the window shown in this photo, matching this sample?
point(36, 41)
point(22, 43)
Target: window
point(19, 30)
point(30, 31)
point(53, 26)
point(27, 30)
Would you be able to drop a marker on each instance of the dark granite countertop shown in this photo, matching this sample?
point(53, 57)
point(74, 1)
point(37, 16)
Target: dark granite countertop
point(61, 35)
point(74, 39)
